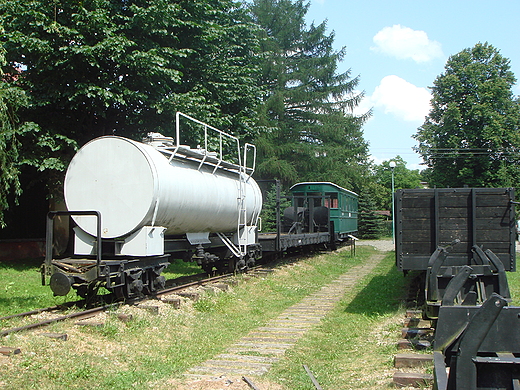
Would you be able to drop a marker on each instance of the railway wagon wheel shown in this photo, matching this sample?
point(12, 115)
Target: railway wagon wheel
point(153, 280)
point(227, 266)
point(89, 292)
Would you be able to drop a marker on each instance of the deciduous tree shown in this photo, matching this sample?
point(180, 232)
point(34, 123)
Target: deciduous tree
point(97, 67)
point(403, 178)
point(100, 67)
point(11, 98)
point(472, 133)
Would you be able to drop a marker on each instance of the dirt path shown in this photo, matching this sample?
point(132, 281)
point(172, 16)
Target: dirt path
point(380, 245)
point(254, 354)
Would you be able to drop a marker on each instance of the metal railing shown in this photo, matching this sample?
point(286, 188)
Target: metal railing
point(49, 240)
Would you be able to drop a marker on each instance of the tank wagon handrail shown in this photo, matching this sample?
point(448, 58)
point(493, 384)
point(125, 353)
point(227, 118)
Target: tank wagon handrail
point(50, 236)
point(248, 146)
point(218, 160)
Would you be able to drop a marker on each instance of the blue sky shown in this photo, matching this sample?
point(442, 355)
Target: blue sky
point(399, 47)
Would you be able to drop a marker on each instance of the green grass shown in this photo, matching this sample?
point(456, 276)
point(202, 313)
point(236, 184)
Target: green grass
point(21, 288)
point(149, 350)
point(354, 347)
point(513, 279)
point(179, 268)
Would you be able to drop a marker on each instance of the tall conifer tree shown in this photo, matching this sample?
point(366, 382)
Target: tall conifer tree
point(307, 129)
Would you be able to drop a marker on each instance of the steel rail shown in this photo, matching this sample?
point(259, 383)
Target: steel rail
point(190, 284)
point(99, 309)
point(58, 319)
point(38, 311)
point(250, 383)
point(313, 379)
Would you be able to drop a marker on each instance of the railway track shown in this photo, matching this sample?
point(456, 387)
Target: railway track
point(176, 286)
point(306, 311)
point(414, 361)
point(255, 353)
point(91, 312)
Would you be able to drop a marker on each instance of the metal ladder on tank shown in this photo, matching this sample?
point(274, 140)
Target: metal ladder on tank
point(239, 250)
point(242, 214)
point(167, 146)
point(173, 149)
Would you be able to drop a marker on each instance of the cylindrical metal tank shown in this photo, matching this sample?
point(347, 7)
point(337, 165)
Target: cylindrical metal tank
point(134, 185)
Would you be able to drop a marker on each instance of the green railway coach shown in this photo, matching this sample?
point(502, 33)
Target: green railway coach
point(342, 204)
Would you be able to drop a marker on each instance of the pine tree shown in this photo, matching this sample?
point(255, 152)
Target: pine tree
point(370, 224)
point(306, 129)
point(269, 206)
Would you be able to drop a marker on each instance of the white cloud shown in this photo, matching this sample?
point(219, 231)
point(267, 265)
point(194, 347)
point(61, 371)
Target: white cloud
point(402, 99)
point(404, 43)
point(376, 160)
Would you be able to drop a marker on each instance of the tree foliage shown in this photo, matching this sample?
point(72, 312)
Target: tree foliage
point(270, 206)
point(370, 224)
point(472, 133)
point(11, 98)
point(403, 178)
point(100, 67)
point(82, 69)
point(306, 129)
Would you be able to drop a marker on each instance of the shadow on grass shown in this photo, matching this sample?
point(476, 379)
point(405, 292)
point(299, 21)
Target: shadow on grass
point(21, 288)
point(382, 294)
point(21, 265)
point(22, 303)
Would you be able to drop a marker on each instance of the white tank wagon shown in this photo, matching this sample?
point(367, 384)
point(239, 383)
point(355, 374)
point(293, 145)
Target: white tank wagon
point(154, 192)
point(134, 186)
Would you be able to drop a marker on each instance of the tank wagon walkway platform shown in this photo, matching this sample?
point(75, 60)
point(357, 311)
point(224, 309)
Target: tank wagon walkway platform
point(255, 353)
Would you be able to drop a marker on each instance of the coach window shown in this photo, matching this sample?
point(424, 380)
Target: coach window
point(331, 200)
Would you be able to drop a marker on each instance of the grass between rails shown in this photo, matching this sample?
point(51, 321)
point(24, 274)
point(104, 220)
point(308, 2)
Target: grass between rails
point(152, 349)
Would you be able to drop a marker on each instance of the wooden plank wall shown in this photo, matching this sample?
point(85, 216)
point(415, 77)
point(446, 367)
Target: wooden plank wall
point(428, 218)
